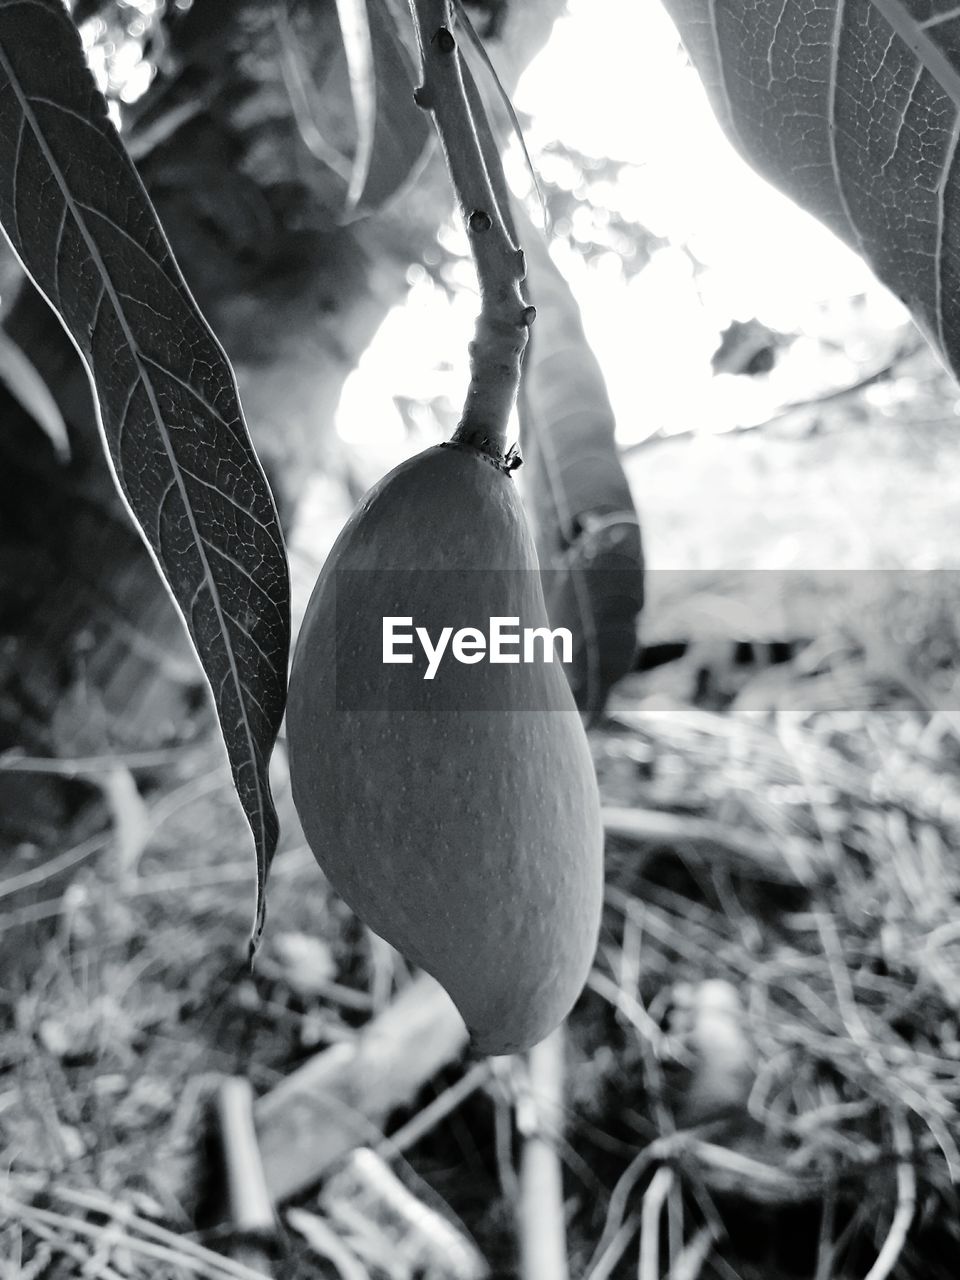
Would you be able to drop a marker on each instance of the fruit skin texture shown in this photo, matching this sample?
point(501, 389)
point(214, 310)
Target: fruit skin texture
point(470, 840)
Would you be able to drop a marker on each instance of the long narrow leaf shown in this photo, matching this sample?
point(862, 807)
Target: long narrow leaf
point(297, 82)
point(588, 532)
point(587, 529)
point(83, 227)
point(377, 143)
point(358, 47)
point(480, 49)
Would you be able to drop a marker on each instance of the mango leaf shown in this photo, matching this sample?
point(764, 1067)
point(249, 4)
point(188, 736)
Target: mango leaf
point(850, 107)
point(390, 138)
point(479, 48)
point(80, 221)
point(358, 48)
point(586, 525)
point(588, 533)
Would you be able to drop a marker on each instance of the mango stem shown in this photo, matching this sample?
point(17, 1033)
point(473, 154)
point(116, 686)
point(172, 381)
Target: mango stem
point(504, 322)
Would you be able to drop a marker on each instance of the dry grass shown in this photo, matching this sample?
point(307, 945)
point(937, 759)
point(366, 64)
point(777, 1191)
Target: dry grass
point(762, 1079)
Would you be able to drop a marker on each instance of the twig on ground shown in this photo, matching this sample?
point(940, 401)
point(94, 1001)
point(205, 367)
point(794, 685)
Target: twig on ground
point(903, 352)
point(653, 1201)
point(416, 1128)
point(906, 1203)
point(178, 1252)
point(53, 867)
point(606, 1263)
point(725, 1170)
point(73, 766)
point(325, 1242)
point(541, 1223)
point(131, 819)
point(753, 852)
point(504, 1070)
point(248, 1200)
point(56, 1242)
point(826, 1246)
point(380, 1215)
point(690, 1262)
point(338, 1099)
point(632, 1010)
point(617, 1208)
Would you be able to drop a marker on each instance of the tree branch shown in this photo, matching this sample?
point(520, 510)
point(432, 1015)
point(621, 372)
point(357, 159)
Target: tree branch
point(504, 320)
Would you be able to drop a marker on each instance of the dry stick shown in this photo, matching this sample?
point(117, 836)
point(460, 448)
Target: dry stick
point(543, 1237)
point(66, 766)
point(675, 1224)
point(320, 1112)
point(409, 1134)
point(248, 1199)
point(503, 324)
point(751, 850)
point(826, 1248)
point(325, 1242)
point(617, 1208)
point(690, 1262)
point(47, 870)
point(631, 1009)
point(89, 1266)
point(606, 1264)
point(190, 1257)
point(906, 1204)
point(653, 1201)
point(724, 1170)
point(903, 352)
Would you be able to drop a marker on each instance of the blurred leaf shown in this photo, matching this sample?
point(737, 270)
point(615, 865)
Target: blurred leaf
point(404, 135)
point(851, 108)
point(33, 394)
point(480, 49)
point(578, 208)
point(297, 80)
point(588, 532)
point(390, 136)
point(748, 347)
point(358, 47)
point(77, 216)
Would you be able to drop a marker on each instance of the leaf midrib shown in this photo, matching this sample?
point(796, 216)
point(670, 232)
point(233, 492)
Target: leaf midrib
point(54, 167)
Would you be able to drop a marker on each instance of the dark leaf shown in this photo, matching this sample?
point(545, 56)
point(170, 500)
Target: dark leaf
point(77, 215)
point(404, 135)
point(388, 136)
point(851, 108)
point(748, 347)
point(588, 533)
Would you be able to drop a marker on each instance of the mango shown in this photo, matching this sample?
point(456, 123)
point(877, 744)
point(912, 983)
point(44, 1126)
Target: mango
point(458, 817)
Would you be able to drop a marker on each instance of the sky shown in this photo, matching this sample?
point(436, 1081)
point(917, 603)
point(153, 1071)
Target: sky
point(613, 82)
point(638, 100)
